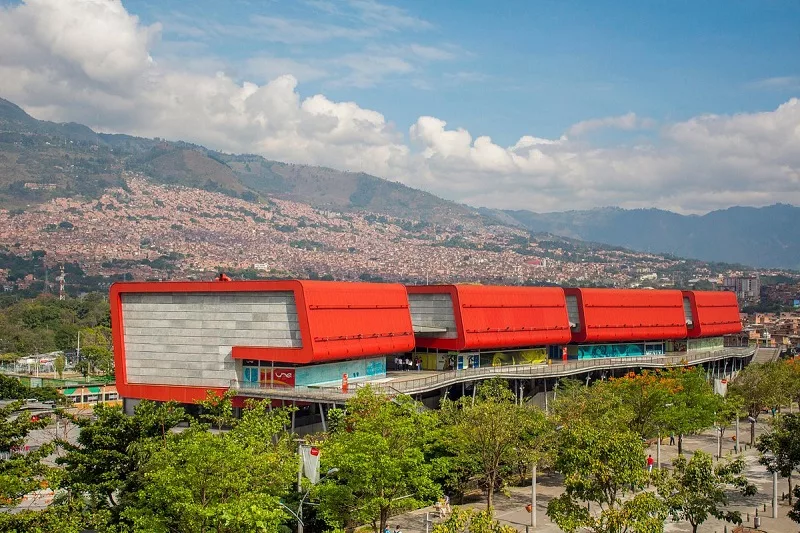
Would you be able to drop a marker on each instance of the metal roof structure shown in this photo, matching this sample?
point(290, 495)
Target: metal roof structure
point(481, 316)
point(624, 315)
point(713, 313)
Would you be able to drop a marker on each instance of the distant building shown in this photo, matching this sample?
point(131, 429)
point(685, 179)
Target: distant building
point(747, 288)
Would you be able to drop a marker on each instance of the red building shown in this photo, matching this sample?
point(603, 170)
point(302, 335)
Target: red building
point(175, 340)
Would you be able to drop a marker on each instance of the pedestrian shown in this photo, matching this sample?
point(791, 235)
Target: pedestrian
point(386, 529)
point(650, 463)
point(397, 529)
point(419, 364)
point(672, 440)
point(409, 364)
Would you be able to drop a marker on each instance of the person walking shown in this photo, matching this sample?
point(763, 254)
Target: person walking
point(650, 463)
point(672, 439)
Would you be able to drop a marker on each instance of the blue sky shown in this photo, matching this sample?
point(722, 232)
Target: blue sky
point(542, 104)
point(508, 67)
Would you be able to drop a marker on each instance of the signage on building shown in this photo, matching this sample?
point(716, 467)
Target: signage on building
point(277, 377)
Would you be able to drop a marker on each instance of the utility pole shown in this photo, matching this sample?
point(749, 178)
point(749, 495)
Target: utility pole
point(300, 487)
point(533, 496)
point(658, 450)
point(775, 494)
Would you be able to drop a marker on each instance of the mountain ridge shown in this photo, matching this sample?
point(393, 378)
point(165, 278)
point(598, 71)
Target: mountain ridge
point(176, 162)
point(41, 160)
point(767, 237)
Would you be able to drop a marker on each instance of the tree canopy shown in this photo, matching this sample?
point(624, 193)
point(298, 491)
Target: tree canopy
point(378, 450)
point(696, 489)
point(598, 466)
point(486, 437)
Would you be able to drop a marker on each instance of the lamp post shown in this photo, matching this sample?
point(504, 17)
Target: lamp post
point(658, 450)
point(299, 514)
point(533, 496)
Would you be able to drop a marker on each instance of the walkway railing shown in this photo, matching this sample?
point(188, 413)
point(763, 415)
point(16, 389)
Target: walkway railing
point(446, 378)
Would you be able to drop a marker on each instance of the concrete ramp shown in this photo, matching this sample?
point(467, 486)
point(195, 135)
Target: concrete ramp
point(766, 355)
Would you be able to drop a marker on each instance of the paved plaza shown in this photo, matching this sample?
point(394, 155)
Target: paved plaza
point(511, 509)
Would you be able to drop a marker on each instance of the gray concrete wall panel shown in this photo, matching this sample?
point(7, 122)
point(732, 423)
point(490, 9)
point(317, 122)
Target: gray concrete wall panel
point(434, 310)
point(186, 338)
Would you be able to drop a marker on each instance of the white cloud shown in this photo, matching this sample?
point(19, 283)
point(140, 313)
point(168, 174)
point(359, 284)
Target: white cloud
point(627, 122)
point(369, 69)
point(264, 68)
point(432, 53)
point(90, 61)
point(776, 83)
point(387, 17)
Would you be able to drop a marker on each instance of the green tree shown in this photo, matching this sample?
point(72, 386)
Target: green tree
point(793, 379)
point(59, 364)
point(489, 436)
point(695, 489)
point(102, 468)
point(96, 336)
point(759, 386)
point(378, 450)
point(471, 521)
point(83, 367)
point(60, 517)
point(12, 388)
point(794, 513)
point(20, 473)
point(780, 448)
point(693, 405)
point(217, 409)
point(729, 409)
point(643, 400)
point(576, 403)
point(99, 358)
point(598, 465)
point(226, 482)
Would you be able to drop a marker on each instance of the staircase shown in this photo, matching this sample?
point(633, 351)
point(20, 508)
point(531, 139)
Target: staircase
point(766, 355)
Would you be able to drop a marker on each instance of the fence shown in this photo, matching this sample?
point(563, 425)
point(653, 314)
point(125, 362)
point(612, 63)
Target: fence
point(40, 381)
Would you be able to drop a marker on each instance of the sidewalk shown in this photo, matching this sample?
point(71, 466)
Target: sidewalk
point(510, 509)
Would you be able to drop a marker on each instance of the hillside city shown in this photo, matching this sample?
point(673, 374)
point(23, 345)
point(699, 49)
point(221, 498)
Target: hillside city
point(150, 231)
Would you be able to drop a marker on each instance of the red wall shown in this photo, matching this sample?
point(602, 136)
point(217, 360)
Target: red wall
point(625, 315)
point(715, 313)
point(501, 317)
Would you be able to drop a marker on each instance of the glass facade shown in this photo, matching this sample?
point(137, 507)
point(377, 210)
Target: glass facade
point(595, 351)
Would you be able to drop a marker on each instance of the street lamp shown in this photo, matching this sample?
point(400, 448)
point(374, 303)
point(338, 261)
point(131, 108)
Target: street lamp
point(658, 442)
point(299, 514)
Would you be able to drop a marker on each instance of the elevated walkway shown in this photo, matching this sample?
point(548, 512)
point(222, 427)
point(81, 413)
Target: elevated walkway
point(413, 382)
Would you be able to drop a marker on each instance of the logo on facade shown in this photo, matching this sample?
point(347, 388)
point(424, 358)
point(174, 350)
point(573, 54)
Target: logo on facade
point(277, 377)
